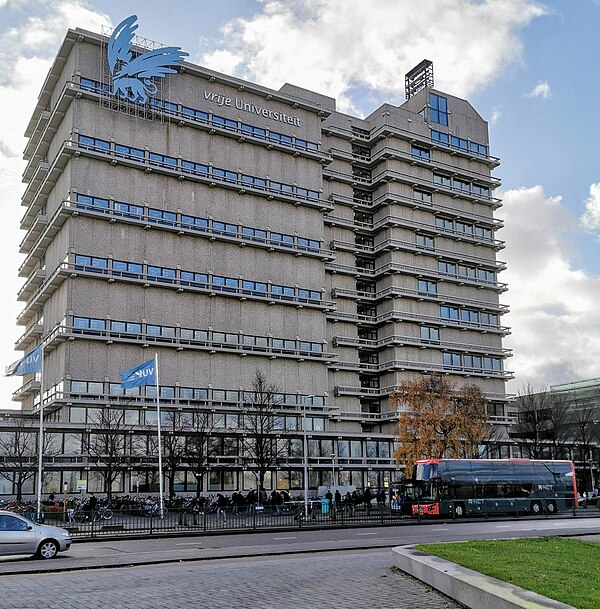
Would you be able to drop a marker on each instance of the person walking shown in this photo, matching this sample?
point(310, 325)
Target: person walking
point(337, 498)
point(222, 508)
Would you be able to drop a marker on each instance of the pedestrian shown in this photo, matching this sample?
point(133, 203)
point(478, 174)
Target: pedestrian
point(367, 499)
point(329, 498)
point(338, 501)
point(349, 502)
point(222, 508)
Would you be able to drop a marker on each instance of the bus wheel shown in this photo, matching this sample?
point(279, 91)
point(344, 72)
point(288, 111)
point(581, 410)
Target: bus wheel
point(459, 510)
point(551, 507)
point(536, 508)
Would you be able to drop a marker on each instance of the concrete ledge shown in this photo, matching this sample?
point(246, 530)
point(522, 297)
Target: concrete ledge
point(468, 587)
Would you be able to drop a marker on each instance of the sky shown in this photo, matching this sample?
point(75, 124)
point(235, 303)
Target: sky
point(528, 67)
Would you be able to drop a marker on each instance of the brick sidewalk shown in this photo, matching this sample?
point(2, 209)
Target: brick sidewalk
point(336, 581)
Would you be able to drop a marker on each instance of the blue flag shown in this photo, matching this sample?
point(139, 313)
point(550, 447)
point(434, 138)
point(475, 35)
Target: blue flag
point(29, 364)
point(144, 374)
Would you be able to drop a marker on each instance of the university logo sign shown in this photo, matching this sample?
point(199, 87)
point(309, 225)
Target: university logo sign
point(132, 76)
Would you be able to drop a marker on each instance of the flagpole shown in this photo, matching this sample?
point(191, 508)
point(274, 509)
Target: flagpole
point(40, 439)
point(160, 469)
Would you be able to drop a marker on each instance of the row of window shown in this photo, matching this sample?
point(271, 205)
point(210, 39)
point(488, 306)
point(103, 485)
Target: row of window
point(461, 185)
point(135, 270)
point(197, 169)
point(476, 363)
point(466, 272)
point(205, 225)
point(182, 422)
point(482, 318)
point(465, 228)
point(199, 116)
point(459, 143)
point(195, 394)
point(88, 325)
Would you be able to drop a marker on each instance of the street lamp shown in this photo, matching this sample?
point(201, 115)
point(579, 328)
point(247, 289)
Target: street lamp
point(305, 439)
point(333, 469)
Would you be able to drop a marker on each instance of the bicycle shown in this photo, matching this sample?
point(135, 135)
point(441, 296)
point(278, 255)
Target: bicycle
point(102, 513)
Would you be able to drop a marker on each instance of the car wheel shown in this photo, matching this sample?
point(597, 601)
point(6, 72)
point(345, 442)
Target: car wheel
point(459, 510)
point(551, 507)
point(47, 549)
point(536, 508)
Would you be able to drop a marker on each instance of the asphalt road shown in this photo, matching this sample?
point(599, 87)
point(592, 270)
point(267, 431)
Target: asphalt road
point(123, 552)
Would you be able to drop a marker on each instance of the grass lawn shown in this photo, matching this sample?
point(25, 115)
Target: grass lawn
point(566, 570)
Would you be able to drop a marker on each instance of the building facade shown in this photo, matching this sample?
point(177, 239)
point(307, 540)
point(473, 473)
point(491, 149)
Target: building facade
point(230, 228)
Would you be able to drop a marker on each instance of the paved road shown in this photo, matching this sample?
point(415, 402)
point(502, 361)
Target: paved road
point(358, 579)
point(122, 552)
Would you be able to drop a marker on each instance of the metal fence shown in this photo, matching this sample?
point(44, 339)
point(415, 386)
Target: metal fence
point(149, 520)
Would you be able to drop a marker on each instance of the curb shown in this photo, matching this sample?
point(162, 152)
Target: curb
point(470, 588)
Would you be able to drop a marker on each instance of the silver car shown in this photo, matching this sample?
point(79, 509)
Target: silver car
point(19, 535)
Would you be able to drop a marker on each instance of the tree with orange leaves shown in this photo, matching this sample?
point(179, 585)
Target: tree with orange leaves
point(438, 420)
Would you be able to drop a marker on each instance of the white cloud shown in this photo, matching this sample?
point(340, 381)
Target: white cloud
point(591, 217)
point(542, 89)
point(554, 305)
point(27, 54)
point(331, 45)
point(496, 116)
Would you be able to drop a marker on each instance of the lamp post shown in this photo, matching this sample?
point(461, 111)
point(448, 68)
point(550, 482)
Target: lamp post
point(333, 469)
point(305, 460)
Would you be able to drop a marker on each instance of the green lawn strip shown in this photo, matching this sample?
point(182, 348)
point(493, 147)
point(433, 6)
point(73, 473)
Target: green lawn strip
point(567, 570)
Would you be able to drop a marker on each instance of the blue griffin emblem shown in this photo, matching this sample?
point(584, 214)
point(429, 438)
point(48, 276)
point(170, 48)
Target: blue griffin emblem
point(131, 76)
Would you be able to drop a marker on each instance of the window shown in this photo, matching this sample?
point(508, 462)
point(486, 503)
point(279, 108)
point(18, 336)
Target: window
point(482, 191)
point(194, 168)
point(442, 180)
point(420, 195)
point(459, 143)
point(467, 272)
point(429, 334)
point(195, 115)
point(438, 109)
point(469, 316)
point(224, 123)
point(162, 217)
point(480, 149)
point(224, 175)
point(472, 361)
point(127, 210)
point(438, 136)
point(462, 227)
point(127, 152)
point(425, 241)
point(462, 185)
point(484, 233)
point(489, 319)
point(280, 138)
point(444, 224)
point(486, 276)
point(94, 203)
point(447, 268)
point(253, 131)
point(127, 269)
point(162, 160)
point(93, 143)
point(420, 153)
point(451, 360)
point(449, 312)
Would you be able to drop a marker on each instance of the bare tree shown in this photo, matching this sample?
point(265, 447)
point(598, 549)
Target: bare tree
point(585, 433)
point(261, 424)
point(199, 428)
point(438, 420)
point(542, 426)
point(19, 451)
point(106, 445)
point(173, 446)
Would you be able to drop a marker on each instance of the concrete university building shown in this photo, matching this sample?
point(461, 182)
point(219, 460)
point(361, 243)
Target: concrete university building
point(233, 230)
